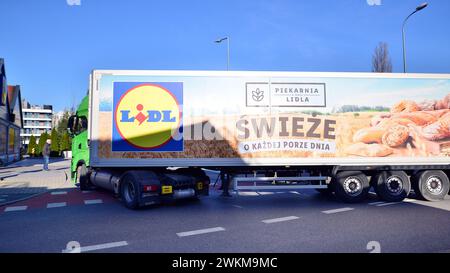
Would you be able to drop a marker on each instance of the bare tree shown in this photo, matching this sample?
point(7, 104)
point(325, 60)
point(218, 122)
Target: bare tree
point(381, 61)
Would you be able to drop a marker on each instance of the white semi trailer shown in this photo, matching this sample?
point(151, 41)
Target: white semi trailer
point(148, 135)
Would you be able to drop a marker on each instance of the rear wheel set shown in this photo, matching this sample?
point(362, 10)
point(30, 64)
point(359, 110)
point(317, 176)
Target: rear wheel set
point(394, 186)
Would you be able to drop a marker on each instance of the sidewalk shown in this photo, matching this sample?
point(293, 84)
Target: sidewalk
point(24, 179)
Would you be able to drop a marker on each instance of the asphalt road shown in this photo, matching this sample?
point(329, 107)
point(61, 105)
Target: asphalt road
point(252, 222)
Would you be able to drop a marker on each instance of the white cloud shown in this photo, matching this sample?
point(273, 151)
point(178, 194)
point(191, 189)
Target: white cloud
point(73, 2)
point(374, 2)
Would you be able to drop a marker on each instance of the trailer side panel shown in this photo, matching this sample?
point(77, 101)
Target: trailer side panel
point(217, 119)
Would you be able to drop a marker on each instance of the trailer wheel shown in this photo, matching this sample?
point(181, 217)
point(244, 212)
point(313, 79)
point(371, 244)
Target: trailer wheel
point(129, 192)
point(83, 178)
point(392, 186)
point(431, 185)
point(352, 186)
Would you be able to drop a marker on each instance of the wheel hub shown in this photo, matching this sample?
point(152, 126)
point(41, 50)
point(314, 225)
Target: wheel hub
point(353, 186)
point(394, 185)
point(434, 185)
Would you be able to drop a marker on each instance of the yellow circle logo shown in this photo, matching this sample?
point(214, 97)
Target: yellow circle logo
point(147, 116)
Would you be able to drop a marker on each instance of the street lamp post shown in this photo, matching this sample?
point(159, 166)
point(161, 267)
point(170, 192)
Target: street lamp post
point(228, 48)
point(418, 8)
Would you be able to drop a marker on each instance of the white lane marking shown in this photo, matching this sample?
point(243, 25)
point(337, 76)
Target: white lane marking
point(16, 208)
point(388, 204)
point(237, 206)
point(265, 193)
point(281, 219)
point(409, 200)
point(248, 193)
point(295, 192)
point(56, 205)
point(93, 201)
point(95, 247)
point(376, 203)
point(336, 210)
point(200, 231)
point(58, 192)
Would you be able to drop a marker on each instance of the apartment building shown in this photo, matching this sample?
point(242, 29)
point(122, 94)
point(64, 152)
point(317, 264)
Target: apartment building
point(37, 119)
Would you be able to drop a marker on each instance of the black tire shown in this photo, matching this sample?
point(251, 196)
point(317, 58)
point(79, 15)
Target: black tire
point(83, 178)
point(431, 185)
point(129, 192)
point(392, 186)
point(352, 186)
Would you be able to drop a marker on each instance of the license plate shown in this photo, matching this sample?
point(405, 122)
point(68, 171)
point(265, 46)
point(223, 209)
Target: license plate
point(200, 186)
point(166, 189)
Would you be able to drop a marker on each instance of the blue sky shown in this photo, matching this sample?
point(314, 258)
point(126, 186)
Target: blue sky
point(50, 47)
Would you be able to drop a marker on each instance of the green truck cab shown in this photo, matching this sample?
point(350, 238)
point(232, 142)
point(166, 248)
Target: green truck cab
point(77, 126)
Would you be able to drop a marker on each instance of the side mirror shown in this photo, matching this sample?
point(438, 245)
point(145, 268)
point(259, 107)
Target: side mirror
point(71, 124)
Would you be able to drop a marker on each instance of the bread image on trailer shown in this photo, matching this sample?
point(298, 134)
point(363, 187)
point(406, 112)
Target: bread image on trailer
point(340, 133)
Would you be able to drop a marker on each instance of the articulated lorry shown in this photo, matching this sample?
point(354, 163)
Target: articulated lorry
point(149, 135)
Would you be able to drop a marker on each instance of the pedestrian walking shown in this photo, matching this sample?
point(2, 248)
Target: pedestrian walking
point(46, 153)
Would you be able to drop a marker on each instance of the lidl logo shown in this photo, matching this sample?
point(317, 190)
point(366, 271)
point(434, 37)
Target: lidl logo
point(148, 116)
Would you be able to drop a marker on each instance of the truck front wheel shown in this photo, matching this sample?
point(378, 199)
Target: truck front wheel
point(431, 185)
point(392, 186)
point(129, 192)
point(83, 178)
point(351, 186)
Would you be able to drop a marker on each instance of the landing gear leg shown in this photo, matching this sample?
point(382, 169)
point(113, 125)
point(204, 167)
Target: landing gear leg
point(225, 178)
